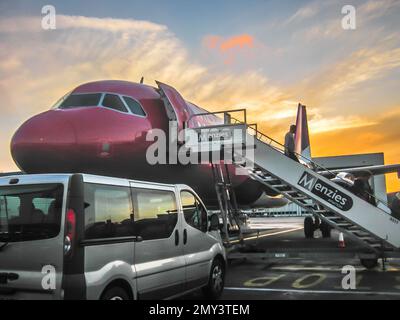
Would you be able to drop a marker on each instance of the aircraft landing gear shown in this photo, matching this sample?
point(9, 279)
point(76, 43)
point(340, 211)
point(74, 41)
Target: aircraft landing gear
point(314, 223)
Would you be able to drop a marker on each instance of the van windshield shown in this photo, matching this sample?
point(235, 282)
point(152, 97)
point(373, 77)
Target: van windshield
point(30, 212)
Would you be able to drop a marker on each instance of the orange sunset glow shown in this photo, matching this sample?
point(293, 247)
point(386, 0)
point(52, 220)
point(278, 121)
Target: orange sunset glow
point(347, 79)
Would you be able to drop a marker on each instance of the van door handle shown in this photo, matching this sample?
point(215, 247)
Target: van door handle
point(184, 236)
point(176, 237)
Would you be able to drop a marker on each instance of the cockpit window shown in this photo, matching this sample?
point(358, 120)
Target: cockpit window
point(134, 106)
point(80, 100)
point(113, 101)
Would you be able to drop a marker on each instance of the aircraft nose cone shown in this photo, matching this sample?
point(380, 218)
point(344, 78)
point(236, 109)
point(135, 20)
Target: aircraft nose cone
point(43, 142)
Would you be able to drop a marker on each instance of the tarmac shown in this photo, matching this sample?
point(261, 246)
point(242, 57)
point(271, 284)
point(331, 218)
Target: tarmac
point(283, 265)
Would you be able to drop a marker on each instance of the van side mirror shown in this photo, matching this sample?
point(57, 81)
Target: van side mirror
point(214, 222)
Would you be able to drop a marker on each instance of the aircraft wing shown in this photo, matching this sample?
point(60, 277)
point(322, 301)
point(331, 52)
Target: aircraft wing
point(368, 170)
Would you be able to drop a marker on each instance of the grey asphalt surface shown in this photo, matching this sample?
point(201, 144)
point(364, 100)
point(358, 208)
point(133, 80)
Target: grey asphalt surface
point(317, 277)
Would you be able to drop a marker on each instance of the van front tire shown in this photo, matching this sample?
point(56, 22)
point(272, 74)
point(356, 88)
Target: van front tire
point(216, 280)
point(115, 293)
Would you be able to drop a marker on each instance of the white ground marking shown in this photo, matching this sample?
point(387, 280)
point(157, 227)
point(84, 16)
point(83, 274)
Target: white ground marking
point(267, 235)
point(379, 293)
point(315, 268)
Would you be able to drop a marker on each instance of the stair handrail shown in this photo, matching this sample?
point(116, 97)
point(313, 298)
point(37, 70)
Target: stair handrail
point(260, 135)
point(314, 166)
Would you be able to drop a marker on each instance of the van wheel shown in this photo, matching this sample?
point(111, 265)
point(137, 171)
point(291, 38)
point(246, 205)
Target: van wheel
point(115, 293)
point(216, 281)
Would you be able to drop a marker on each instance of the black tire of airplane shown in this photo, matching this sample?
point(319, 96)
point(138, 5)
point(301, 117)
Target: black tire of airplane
point(309, 227)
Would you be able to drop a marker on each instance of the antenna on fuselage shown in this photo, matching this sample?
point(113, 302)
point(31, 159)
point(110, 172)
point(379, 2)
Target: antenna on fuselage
point(141, 80)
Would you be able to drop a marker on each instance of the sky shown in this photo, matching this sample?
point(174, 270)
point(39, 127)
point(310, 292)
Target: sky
point(263, 55)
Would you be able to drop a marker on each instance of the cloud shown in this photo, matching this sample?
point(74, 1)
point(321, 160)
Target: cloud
point(320, 124)
point(235, 42)
point(303, 13)
point(327, 17)
point(360, 67)
point(230, 48)
point(380, 134)
point(33, 24)
point(373, 9)
point(37, 67)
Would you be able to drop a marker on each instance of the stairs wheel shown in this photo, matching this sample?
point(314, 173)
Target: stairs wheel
point(309, 228)
point(369, 263)
point(325, 229)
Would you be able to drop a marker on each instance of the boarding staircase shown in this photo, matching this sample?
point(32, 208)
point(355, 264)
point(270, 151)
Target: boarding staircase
point(301, 183)
point(226, 201)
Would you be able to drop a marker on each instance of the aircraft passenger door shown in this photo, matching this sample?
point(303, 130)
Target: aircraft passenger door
point(197, 242)
point(159, 258)
point(177, 109)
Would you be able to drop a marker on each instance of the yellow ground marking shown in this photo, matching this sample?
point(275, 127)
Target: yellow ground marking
point(263, 281)
point(298, 283)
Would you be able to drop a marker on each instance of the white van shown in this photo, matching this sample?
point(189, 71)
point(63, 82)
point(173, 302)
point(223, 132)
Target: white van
point(78, 236)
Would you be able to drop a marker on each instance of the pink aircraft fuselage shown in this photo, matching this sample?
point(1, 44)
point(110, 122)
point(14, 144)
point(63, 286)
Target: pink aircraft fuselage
point(99, 140)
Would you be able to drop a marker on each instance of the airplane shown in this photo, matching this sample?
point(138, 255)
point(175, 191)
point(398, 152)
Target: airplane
point(100, 128)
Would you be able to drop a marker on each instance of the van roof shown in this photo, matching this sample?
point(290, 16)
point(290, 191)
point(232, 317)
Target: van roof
point(26, 178)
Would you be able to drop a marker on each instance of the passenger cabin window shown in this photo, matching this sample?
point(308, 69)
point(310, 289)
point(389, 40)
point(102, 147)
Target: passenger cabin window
point(194, 212)
point(134, 106)
point(113, 101)
point(81, 100)
point(155, 213)
point(108, 212)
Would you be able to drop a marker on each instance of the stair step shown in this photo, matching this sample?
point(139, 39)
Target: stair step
point(300, 198)
point(375, 245)
point(258, 171)
point(359, 233)
point(344, 225)
point(269, 179)
point(355, 228)
point(337, 221)
point(334, 218)
point(321, 211)
point(368, 239)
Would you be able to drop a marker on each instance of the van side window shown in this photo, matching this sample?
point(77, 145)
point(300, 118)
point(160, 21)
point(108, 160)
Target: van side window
point(155, 213)
point(108, 212)
point(194, 212)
